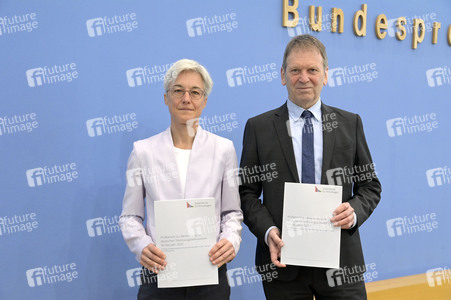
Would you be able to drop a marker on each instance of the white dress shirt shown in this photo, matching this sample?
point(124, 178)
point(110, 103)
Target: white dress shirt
point(295, 132)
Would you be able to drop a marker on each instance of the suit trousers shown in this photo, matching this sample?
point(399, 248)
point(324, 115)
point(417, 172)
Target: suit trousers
point(315, 282)
point(149, 290)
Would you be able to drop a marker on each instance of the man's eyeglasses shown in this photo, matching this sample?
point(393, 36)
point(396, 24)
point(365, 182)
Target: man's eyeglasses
point(195, 93)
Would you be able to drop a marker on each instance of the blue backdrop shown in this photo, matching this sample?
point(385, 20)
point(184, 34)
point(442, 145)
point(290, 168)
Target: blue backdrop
point(79, 82)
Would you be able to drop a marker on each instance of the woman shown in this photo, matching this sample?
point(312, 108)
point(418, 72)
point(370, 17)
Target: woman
point(184, 161)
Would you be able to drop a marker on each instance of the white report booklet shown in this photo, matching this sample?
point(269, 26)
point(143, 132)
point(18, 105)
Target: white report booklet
point(309, 237)
point(186, 232)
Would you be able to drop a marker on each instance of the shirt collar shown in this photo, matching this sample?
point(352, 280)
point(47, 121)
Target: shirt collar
point(295, 111)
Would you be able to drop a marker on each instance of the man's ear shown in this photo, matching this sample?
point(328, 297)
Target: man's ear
point(325, 76)
point(282, 76)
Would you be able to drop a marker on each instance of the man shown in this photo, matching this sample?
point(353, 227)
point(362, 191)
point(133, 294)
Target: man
point(304, 139)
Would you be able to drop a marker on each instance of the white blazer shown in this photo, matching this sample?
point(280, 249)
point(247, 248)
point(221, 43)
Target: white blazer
point(152, 175)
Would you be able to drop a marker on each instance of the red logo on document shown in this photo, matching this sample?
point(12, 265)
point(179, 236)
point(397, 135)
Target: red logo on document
point(188, 205)
point(317, 190)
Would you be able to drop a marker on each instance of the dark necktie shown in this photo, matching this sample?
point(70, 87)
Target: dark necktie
point(308, 162)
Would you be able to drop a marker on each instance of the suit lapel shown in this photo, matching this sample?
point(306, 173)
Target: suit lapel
point(281, 123)
point(328, 141)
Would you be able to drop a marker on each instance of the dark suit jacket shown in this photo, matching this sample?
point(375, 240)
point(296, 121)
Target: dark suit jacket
point(267, 141)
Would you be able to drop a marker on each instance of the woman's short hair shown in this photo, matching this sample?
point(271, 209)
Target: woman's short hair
point(188, 65)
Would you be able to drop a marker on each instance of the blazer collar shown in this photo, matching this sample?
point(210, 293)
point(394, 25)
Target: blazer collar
point(328, 139)
point(282, 125)
point(200, 161)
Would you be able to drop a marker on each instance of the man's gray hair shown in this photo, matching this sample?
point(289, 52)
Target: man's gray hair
point(305, 42)
point(188, 65)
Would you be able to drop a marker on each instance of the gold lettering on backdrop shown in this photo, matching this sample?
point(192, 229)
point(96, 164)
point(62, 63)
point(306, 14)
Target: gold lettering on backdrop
point(436, 26)
point(287, 9)
point(337, 12)
point(360, 15)
point(381, 24)
point(416, 39)
point(359, 23)
point(316, 26)
point(401, 35)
